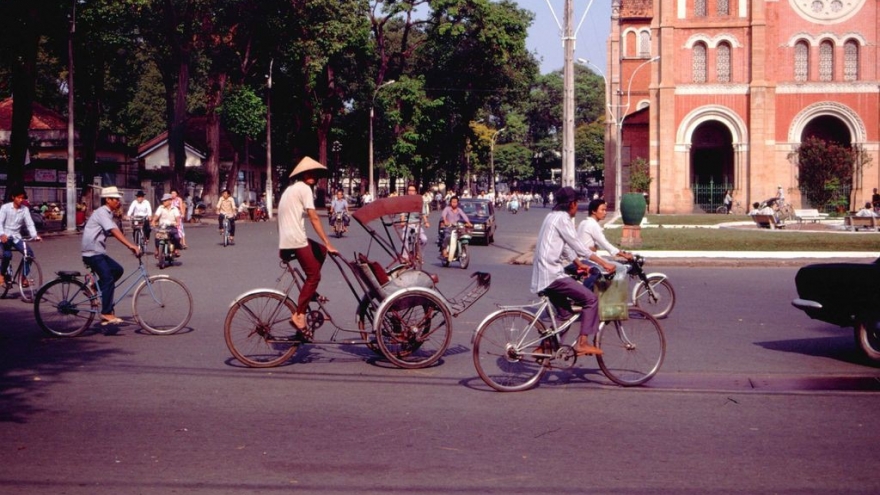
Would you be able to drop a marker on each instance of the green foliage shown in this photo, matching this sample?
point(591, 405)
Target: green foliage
point(243, 112)
point(639, 175)
point(589, 147)
point(513, 162)
point(824, 167)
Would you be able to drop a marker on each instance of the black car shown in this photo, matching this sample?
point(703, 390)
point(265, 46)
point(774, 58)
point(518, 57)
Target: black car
point(481, 213)
point(844, 294)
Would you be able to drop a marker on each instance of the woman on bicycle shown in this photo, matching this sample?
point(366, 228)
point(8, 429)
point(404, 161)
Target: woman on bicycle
point(226, 209)
point(94, 251)
point(14, 216)
point(141, 208)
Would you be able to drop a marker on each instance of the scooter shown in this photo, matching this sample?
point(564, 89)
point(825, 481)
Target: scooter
point(513, 206)
point(459, 238)
point(165, 251)
point(338, 225)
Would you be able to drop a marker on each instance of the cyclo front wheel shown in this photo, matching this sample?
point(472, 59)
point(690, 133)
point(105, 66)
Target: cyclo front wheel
point(507, 350)
point(65, 307)
point(632, 349)
point(658, 301)
point(162, 305)
point(258, 330)
point(413, 328)
point(34, 280)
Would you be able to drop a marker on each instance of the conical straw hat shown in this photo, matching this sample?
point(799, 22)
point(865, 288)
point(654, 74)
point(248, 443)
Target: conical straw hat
point(305, 165)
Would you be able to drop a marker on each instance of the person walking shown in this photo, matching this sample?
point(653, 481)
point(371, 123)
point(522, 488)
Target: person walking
point(94, 250)
point(177, 202)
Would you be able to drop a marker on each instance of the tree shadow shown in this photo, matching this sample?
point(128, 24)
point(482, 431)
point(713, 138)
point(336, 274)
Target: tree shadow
point(31, 362)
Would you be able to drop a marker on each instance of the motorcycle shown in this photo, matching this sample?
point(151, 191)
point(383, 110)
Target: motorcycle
point(260, 213)
point(513, 206)
point(457, 249)
point(338, 225)
point(165, 251)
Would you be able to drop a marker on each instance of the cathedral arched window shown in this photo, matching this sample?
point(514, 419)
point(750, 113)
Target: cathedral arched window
point(645, 44)
point(851, 61)
point(700, 8)
point(801, 61)
point(722, 63)
point(826, 61)
point(724, 7)
point(699, 63)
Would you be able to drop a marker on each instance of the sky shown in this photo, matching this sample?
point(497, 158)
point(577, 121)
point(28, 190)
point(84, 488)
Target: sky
point(545, 35)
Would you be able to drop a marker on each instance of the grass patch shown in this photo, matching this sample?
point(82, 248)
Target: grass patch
point(749, 240)
point(707, 219)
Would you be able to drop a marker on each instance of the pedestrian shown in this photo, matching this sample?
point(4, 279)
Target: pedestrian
point(177, 202)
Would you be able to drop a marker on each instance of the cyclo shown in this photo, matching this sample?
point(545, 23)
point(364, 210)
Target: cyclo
point(400, 313)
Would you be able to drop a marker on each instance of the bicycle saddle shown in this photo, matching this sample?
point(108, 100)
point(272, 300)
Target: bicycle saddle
point(69, 274)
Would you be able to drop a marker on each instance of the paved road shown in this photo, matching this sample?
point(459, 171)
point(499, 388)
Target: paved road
point(753, 398)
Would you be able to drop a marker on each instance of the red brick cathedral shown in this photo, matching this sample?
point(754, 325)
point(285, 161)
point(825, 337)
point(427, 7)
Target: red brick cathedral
point(737, 87)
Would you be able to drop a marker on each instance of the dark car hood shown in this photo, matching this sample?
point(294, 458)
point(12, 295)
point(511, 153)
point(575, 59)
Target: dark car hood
point(842, 289)
point(478, 218)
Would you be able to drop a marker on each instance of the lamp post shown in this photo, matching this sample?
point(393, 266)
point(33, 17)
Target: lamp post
point(618, 118)
point(492, 160)
point(270, 191)
point(372, 115)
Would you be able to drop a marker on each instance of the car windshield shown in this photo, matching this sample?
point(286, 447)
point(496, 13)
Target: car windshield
point(478, 209)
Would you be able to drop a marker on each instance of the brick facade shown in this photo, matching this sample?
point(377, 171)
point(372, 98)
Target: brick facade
point(737, 88)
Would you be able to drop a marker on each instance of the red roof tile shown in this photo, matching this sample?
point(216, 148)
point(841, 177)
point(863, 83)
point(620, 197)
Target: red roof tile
point(42, 119)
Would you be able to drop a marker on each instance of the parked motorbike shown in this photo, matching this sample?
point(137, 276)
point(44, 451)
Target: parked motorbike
point(457, 249)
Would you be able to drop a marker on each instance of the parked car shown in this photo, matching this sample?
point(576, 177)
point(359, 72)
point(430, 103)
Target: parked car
point(481, 213)
point(845, 294)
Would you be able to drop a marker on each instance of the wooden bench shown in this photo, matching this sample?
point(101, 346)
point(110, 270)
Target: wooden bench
point(852, 222)
point(809, 215)
point(767, 221)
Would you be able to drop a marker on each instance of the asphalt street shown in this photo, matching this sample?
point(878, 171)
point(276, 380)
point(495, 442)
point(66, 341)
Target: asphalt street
point(754, 397)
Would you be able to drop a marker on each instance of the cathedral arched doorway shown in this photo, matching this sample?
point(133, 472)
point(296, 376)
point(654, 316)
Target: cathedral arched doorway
point(712, 164)
point(831, 130)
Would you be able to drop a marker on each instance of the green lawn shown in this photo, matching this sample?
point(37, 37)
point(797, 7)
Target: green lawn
point(696, 239)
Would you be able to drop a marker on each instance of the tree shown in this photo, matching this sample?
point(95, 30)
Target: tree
point(639, 175)
point(244, 116)
point(826, 169)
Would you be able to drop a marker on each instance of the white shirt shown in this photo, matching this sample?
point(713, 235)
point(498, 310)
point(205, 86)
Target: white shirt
point(592, 235)
point(167, 216)
point(556, 239)
point(294, 205)
point(12, 220)
point(140, 209)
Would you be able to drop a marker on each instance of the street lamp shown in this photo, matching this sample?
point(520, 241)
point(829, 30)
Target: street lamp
point(270, 186)
point(372, 115)
point(492, 160)
point(619, 117)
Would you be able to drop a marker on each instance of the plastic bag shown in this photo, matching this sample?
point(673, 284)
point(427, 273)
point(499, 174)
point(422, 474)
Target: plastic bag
point(613, 296)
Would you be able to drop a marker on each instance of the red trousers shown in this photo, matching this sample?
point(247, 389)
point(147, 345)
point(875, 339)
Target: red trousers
point(311, 259)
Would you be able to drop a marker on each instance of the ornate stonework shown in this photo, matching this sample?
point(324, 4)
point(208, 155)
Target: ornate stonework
point(636, 8)
point(826, 11)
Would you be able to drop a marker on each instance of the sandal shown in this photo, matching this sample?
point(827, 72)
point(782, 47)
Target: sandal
point(110, 321)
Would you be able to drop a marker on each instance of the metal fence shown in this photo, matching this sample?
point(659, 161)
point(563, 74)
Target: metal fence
point(708, 197)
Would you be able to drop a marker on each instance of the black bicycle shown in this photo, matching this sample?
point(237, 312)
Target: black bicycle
point(28, 276)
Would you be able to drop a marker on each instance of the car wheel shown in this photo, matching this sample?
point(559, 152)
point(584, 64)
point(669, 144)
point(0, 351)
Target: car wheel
point(867, 334)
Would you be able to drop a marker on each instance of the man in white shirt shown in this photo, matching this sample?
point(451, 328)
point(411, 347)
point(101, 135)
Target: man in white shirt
point(142, 209)
point(13, 216)
point(167, 217)
point(296, 203)
point(593, 235)
point(867, 211)
point(557, 243)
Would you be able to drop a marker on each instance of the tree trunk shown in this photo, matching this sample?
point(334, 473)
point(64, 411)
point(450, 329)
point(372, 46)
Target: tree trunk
point(212, 165)
point(24, 77)
point(177, 133)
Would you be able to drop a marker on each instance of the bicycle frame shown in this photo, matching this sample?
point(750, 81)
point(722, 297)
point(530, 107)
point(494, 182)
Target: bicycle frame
point(22, 263)
point(142, 275)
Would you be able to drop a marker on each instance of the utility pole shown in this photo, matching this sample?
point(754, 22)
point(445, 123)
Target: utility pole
point(269, 185)
point(70, 208)
point(568, 40)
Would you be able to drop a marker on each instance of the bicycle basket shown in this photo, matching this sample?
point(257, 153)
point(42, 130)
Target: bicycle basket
point(161, 235)
point(613, 296)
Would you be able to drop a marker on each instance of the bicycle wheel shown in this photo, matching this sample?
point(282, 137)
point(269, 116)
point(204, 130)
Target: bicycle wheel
point(721, 210)
point(258, 330)
point(137, 236)
point(464, 258)
point(658, 301)
point(632, 349)
point(413, 329)
point(65, 307)
point(505, 350)
point(162, 306)
point(29, 284)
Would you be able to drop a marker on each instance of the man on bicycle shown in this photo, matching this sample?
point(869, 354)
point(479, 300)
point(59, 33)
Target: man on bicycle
point(94, 251)
point(339, 206)
point(142, 209)
point(448, 218)
point(13, 216)
point(226, 209)
point(556, 241)
point(296, 203)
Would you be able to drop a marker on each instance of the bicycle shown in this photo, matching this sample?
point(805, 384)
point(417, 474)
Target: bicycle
point(653, 292)
point(513, 349)
point(137, 232)
point(67, 306)
point(735, 209)
point(28, 275)
point(226, 236)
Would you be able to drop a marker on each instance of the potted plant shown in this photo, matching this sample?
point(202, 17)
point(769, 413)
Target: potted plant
point(633, 204)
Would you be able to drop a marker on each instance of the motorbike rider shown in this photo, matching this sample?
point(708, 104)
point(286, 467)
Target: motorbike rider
point(167, 217)
point(339, 206)
point(451, 215)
